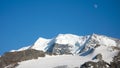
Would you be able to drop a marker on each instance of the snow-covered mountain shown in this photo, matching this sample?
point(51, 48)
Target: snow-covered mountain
point(71, 42)
point(69, 45)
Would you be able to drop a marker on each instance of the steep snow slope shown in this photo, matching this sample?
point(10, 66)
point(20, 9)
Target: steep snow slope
point(104, 40)
point(41, 44)
point(71, 39)
point(73, 42)
point(98, 41)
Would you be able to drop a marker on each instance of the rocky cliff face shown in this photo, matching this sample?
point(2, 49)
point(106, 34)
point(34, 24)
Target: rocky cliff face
point(60, 49)
point(99, 64)
point(11, 59)
point(116, 61)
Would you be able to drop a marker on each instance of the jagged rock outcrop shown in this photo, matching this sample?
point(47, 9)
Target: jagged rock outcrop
point(115, 64)
point(116, 61)
point(11, 58)
point(99, 64)
point(60, 49)
point(89, 64)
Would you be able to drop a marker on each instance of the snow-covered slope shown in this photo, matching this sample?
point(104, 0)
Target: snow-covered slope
point(71, 40)
point(106, 52)
point(98, 41)
point(41, 44)
point(103, 40)
point(60, 61)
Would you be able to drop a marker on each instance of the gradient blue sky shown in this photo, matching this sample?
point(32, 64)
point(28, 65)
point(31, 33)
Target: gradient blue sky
point(23, 21)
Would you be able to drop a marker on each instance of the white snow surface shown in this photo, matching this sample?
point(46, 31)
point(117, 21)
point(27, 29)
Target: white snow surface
point(103, 40)
point(107, 53)
point(70, 39)
point(41, 44)
point(54, 61)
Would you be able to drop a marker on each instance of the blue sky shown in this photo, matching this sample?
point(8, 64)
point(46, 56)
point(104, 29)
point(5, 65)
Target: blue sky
point(23, 21)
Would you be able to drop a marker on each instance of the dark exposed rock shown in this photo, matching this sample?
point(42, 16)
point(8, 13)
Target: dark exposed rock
point(97, 45)
point(13, 65)
point(11, 58)
point(115, 64)
point(116, 61)
point(63, 66)
point(89, 65)
point(103, 64)
point(60, 49)
point(99, 64)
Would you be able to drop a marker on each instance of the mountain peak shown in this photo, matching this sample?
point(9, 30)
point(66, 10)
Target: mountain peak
point(68, 39)
point(73, 40)
point(40, 44)
point(77, 43)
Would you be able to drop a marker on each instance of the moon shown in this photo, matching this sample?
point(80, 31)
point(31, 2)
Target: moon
point(95, 6)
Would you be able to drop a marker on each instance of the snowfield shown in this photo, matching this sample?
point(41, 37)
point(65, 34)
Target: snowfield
point(70, 61)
